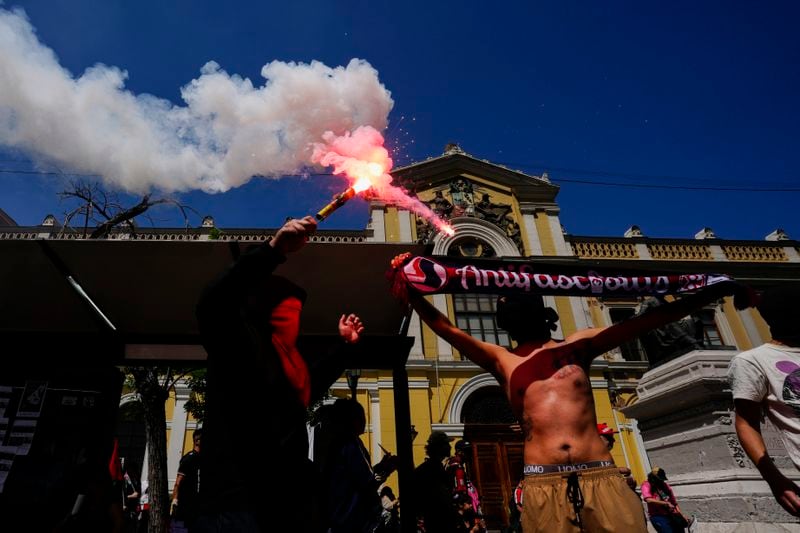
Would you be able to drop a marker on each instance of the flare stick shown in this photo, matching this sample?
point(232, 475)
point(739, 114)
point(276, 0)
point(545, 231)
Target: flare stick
point(336, 203)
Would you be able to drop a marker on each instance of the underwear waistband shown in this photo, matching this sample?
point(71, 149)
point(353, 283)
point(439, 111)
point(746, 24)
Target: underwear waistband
point(529, 470)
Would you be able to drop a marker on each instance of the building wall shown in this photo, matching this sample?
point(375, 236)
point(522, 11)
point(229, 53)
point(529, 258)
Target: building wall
point(541, 235)
point(440, 376)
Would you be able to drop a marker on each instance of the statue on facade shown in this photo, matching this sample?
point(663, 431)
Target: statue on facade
point(671, 340)
point(513, 232)
point(441, 205)
point(424, 231)
point(491, 212)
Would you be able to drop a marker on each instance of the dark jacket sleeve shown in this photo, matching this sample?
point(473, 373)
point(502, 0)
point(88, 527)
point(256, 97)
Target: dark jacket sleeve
point(228, 327)
point(225, 325)
point(230, 290)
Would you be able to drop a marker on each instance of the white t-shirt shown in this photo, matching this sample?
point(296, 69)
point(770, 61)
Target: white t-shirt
point(770, 375)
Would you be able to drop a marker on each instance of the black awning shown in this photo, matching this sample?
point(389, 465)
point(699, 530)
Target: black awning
point(149, 289)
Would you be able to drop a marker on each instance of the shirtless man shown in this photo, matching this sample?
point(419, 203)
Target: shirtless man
point(571, 482)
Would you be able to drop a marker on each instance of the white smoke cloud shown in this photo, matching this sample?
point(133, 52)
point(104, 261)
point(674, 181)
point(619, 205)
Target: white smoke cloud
point(228, 131)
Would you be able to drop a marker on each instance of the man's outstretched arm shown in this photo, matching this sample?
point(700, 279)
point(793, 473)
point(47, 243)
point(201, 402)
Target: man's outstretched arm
point(481, 353)
point(592, 343)
point(748, 429)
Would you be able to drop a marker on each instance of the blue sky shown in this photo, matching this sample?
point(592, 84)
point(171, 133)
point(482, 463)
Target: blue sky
point(688, 95)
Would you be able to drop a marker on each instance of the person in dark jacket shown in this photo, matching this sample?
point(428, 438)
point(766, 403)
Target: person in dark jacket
point(249, 321)
point(432, 495)
point(186, 491)
point(349, 478)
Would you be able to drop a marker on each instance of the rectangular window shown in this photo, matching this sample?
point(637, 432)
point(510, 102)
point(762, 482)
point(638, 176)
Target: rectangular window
point(475, 314)
point(711, 336)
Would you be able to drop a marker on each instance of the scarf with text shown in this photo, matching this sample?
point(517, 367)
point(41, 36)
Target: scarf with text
point(445, 275)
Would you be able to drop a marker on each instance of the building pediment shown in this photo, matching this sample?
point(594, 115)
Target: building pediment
point(454, 164)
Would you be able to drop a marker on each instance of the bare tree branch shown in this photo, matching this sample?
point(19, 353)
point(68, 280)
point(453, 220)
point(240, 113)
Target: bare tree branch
point(102, 230)
point(105, 211)
point(78, 210)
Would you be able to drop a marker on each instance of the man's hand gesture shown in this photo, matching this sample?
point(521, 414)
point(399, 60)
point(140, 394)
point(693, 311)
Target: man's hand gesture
point(350, 328)
point(397, 281)
point(786, 494)
point(294, 234)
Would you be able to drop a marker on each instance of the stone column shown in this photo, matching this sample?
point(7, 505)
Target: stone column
point(178, 428)
point(685, 414)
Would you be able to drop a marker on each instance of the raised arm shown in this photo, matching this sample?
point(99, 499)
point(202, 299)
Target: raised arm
point(325, 368)
point(222, 296)
point(481, 353)
point(594, 342)
point(229, 318)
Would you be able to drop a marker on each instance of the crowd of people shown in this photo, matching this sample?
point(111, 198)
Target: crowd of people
point(249, 321)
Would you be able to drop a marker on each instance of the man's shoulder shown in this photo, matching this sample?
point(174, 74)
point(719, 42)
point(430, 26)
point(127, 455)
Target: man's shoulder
point(190, 458)
point(753, 355)
point(586, 333)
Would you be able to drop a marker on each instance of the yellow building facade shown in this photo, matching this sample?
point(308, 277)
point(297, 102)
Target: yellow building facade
point(500, 212)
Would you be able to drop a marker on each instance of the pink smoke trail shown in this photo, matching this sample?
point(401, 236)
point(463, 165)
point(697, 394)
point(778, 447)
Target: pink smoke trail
point(361, 157)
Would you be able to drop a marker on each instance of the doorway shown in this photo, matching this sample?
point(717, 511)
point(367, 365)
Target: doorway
point(497, 443)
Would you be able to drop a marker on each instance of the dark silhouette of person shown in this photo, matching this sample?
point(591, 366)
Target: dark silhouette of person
point(249, 321)
point(468, 521)
point(390, 516)
point(461, 482)
point(431, 490)
point(350, 481)
point(97, 502)
point(186, 492)
point(131, 495)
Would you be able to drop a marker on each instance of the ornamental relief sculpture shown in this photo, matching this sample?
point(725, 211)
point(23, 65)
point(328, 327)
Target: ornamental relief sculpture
point(462, 203)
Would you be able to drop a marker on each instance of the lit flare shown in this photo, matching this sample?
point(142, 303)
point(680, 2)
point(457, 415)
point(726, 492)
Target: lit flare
point(361, 157)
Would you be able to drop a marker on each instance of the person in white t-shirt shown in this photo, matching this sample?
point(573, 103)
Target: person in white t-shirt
point(767, 379)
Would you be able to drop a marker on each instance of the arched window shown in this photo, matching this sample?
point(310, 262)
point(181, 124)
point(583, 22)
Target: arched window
point(487, 405)
point(471, 247)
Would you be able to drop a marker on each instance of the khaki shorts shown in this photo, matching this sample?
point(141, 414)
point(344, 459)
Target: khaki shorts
point(609, 505)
